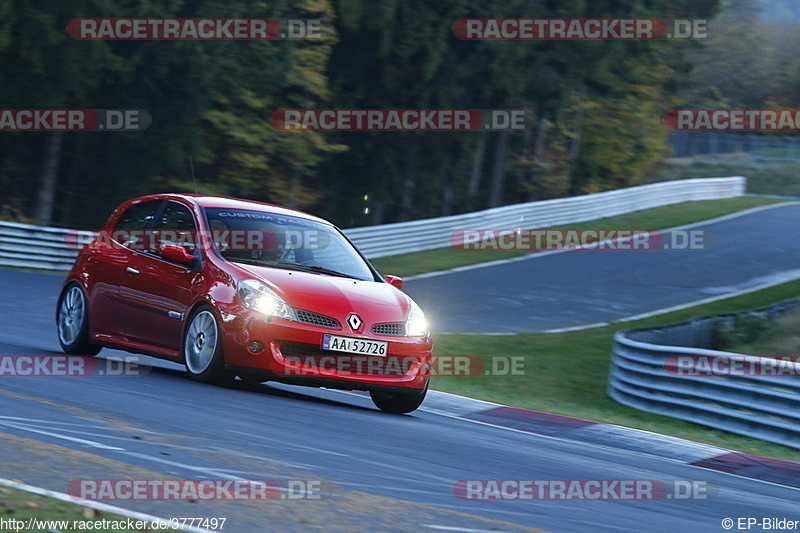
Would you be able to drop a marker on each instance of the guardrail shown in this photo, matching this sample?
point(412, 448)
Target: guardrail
point(27, 246)
point(644, 376)
point(429, 234)
point(24, 245)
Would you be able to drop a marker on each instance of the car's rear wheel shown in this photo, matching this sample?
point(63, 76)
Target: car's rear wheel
point(72, 321)
point(202, 348)
point(398, 402)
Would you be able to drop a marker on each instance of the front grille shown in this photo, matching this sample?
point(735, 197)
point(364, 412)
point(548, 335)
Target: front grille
point(315, 319)
point(302, 349)
point(313, 356)
point(391, 328)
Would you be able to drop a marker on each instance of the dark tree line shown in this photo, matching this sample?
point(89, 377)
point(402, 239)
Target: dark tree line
point(596, 107)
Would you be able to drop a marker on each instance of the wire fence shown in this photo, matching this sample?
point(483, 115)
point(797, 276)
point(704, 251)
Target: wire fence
point(763, 148)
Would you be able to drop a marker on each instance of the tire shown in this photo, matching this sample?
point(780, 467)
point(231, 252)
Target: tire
point(202, 348)
point(398, 402)
point(72, 321)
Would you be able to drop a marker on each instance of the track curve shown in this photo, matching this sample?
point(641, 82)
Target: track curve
point(570, 289)
point(379, 471)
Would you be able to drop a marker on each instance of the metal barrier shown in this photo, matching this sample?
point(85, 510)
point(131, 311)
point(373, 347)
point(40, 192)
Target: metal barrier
point(646, 374)
point(24, 245)
point(429, 234)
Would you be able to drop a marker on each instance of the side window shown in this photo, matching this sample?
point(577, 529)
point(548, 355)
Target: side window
point(129, 230)
point(175, 225)
point(138, 216)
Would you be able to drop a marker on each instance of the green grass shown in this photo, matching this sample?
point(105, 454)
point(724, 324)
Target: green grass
point(20, 505)
point(38, 270)
point(781, 179)
point(650, 219)
point(567, 373)
point(779, 338)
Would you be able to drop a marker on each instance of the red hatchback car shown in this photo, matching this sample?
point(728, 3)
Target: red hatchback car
point(234, 287)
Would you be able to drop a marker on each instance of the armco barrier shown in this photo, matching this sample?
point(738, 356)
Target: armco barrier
point(761, 406)
point(23, 245)
point(429, 234)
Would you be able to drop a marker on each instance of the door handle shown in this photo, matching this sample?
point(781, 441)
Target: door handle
point(131, 270)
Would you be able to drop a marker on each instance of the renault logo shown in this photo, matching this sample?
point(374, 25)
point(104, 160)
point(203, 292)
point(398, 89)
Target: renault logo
point(355, 322)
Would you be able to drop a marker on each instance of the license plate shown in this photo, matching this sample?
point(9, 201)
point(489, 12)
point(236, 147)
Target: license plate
point(351, 345)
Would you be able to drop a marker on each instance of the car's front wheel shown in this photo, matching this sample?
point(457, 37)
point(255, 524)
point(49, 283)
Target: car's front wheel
point(72, 321)
point(202, 347)
point(398, 402)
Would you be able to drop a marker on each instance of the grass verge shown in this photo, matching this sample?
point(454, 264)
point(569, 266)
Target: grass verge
point(763, 177)
point(651, 219)
point(38, 270)
point(566, 373)
point(778, 337)
point(23, 506)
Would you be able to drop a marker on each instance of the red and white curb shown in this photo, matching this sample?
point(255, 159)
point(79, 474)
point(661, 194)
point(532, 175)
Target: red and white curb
point(614, 437)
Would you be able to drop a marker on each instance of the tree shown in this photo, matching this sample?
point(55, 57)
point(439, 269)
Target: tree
point(243, 152)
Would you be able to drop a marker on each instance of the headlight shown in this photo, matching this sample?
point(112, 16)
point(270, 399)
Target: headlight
point(416, 325)
point(258, 297)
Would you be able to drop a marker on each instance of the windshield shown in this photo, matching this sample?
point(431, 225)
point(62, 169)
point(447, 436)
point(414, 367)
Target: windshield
point(281, 241)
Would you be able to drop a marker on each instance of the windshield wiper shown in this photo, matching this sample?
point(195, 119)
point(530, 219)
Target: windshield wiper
point(316, 269)
point(255, 262)
point(286, 265)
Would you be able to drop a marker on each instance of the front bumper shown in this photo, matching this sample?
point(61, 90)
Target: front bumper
point(291, 353)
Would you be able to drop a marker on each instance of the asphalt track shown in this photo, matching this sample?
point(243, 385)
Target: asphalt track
point(577, 288)
point(381, 472)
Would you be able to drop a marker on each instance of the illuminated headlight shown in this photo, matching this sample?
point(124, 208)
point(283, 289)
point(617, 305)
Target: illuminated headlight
point(416, 325)
point(258, 297)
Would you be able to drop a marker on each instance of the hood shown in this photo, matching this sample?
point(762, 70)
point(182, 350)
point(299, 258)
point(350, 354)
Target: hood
point(334, 296)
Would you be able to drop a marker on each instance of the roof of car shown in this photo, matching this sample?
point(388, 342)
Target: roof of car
point(237, 203)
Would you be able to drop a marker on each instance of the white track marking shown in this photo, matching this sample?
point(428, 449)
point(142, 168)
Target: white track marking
point(97, 506)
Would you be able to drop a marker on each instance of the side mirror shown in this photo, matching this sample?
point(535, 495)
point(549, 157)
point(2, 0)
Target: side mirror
point(176, 254)
point(394, 281)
